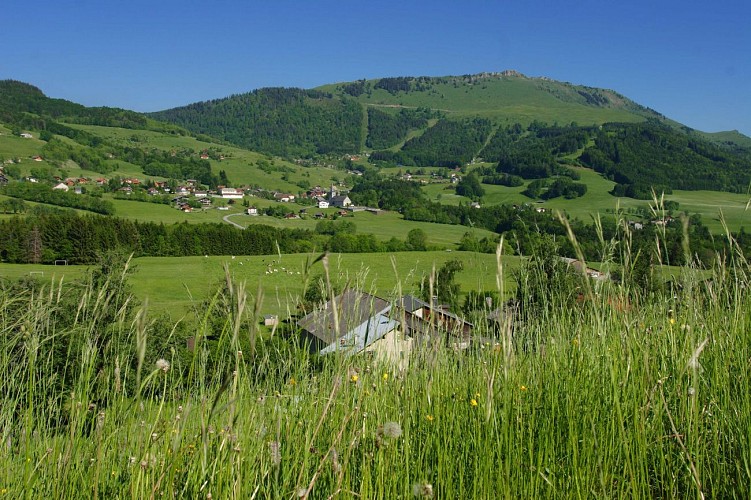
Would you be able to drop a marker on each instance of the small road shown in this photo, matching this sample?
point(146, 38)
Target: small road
point(226, 219)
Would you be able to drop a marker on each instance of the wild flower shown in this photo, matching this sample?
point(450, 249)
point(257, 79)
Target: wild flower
point(162, 364)
point(392, 430)
point(523, 388)
point(422, 490)
point(292, 381)
point(385, 377)
point(429, 418)
point(354, 378)
point(473, 402)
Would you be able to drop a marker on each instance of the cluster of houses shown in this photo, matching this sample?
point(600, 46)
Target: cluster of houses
point(435, 177)
point(327, 199)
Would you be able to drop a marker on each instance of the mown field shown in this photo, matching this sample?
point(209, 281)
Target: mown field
point(175, 284)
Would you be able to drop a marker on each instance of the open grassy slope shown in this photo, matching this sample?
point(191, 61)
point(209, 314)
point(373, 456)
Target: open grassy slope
point(509, 98)
point(174, 284)
point(241, 165)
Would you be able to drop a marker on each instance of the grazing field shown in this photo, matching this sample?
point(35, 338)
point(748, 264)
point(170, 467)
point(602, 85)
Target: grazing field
point(510, 100)
point(239, 164)
point(175, 284)
point(714, 205)
point(708, 204)
point(384, 226)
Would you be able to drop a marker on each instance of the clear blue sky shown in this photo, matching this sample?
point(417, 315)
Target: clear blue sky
point(690, 60)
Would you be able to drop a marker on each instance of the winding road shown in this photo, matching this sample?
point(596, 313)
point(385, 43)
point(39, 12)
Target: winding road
point(226, 219)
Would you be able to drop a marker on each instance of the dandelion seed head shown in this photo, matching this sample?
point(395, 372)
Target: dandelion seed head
point(392, 430)
point(422, 490)
point(162, 364)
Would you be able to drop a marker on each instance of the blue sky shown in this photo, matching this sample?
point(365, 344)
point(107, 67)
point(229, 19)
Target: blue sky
point(689, 60)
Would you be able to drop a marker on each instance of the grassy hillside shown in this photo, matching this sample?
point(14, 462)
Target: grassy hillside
point(622, 394)
point(508, 97)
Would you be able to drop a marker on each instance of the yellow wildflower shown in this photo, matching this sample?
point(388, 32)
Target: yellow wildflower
point(385, 376)
point(672, 321)
point(354, 378)
point(473, 402)
point(429, 418)
point(292, 381)
point(523, 388)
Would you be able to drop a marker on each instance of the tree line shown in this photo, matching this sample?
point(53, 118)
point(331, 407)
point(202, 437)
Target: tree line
point(45, 235)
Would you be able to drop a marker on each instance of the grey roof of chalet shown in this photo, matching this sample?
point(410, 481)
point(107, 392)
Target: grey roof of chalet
point(357, 339)
point(411, 303)
point(354, 308)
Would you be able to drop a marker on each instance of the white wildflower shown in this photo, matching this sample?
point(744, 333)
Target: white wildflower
point(162, 364)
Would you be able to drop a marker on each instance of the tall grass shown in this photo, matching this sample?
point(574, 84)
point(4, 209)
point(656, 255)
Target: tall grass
point(607, 396)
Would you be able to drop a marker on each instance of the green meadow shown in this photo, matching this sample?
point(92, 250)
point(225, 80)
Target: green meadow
point(175, 284)
point(511, 100)
point(239, 164)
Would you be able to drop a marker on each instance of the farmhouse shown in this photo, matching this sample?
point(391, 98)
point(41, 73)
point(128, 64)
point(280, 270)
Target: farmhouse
point(433, 323)
point(580, 267)
point(284, 197)
point(251, 211)
point(340, 201)
point(61, 187)
point(231, 193)
point(363, 325)
point(322, 202)
point(270, 320)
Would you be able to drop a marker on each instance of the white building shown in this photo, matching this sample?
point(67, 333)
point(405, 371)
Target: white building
point(231, 193)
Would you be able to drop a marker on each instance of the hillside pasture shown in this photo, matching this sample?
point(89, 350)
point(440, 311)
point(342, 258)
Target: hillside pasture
point(384, 226)
point(240, 165)
point(174, 285)
point(508, 100)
